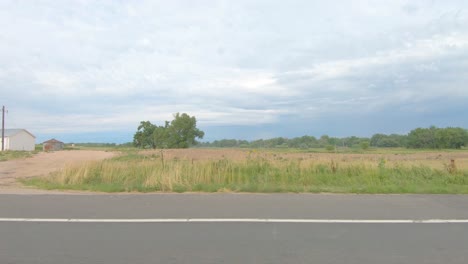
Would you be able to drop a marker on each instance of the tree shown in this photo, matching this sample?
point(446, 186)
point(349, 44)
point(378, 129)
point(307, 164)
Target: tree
point(422, 138)
point(387, 141)
point(433, 137)
point(451, 137)
point(376, 140)
point(161, 137)
point(143, 138)
point(324, 141)
point(181, 132)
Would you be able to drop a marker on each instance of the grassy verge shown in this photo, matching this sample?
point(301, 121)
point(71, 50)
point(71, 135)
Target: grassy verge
point(9, 155)
point(135, 172)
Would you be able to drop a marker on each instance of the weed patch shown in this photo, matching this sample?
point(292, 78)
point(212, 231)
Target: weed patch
point(136, 172)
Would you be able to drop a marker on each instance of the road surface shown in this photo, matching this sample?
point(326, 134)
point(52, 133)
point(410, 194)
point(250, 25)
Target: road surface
point(116, 242)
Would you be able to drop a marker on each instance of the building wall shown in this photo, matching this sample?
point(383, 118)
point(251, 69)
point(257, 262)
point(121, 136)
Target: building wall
point(52, 146)
point(21, 141)
point(7, 142)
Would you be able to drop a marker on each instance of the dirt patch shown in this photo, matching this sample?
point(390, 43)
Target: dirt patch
point(44, 163)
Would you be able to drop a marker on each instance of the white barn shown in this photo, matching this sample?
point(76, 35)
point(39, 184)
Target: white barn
point(18, 139)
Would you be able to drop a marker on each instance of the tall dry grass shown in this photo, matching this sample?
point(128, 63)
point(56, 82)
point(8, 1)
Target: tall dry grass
point(261, 172)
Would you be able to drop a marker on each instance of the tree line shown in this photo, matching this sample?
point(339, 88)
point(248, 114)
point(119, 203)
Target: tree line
point(427, 138)
point(182, 132)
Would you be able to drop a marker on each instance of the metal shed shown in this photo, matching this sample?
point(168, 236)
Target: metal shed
point(52, 145)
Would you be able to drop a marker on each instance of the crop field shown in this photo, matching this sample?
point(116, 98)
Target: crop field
point(249, 170)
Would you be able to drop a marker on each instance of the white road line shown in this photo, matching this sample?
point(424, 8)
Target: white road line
point(238, 220)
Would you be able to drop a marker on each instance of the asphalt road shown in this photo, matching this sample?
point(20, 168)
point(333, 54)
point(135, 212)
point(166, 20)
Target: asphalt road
point(39, 242)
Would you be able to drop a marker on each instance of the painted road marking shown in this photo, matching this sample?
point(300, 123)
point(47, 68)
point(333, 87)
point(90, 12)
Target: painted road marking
point(238, 220)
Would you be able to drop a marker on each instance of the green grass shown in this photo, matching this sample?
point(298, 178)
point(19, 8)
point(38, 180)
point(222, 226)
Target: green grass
point(138, 173)
point(10, 154)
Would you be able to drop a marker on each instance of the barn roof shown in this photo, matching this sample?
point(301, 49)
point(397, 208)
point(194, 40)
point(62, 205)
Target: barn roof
point(53, 141)
point(12, 132)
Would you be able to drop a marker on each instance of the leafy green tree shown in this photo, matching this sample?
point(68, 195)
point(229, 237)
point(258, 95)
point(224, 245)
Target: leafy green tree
point(376, 139)
point(257, 143)
point(161, 137)
point(324, 141)
point(422, 138)
point(451, 137)
point(303, 142)
point(181, 132)
point(354, 141)
point(402, 140)
point(143, 138)
point(387, 141)
point(432, 137)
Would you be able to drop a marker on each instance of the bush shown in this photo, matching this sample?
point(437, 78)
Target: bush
point(365, 145)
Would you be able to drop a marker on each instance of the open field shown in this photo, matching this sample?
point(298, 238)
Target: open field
point(239, 170)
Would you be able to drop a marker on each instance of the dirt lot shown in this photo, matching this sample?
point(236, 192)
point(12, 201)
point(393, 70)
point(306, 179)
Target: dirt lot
point(43, 164)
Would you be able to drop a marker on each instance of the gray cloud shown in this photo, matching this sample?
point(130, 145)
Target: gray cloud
point(76, 65)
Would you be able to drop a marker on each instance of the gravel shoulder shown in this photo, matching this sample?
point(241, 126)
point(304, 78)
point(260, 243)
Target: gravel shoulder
point(42, 164)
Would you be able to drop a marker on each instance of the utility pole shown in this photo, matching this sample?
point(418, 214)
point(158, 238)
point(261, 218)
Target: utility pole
point(3, 128)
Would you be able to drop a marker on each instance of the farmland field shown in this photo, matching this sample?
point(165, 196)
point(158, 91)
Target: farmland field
point(243, 170)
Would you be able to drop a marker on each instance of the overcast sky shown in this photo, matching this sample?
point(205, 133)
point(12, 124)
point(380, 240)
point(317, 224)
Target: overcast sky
point(87, 71)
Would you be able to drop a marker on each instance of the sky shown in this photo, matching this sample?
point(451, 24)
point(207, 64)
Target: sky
point(90, 71)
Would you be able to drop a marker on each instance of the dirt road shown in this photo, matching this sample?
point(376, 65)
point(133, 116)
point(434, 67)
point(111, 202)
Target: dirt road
point(43, 164)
